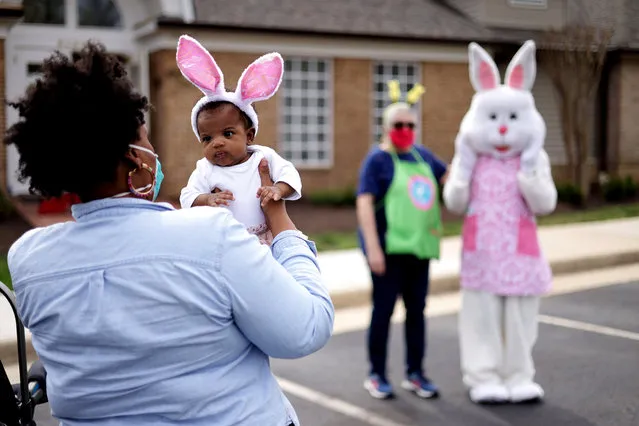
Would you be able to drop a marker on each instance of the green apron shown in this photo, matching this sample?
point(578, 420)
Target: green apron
point(412, 209)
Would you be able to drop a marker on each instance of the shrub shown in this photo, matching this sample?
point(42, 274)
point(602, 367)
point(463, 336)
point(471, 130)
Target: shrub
point(337, 198)
point(6, 208)
point(569, 194)
point(630, 187)
point(619, 189)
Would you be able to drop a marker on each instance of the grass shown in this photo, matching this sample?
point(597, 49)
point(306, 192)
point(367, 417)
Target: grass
point(4, 272)
point(348, 240)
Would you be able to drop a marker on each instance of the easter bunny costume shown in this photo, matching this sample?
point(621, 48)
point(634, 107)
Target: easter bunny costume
point(500, 179)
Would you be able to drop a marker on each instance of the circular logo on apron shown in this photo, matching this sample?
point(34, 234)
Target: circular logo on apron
point(422, 192)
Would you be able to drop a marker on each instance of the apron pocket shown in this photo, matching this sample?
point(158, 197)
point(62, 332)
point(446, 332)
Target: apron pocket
point(527, 242)
point(469, 233)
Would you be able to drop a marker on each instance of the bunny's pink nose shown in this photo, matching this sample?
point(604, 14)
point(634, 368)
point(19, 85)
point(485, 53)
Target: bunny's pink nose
point(503, 130)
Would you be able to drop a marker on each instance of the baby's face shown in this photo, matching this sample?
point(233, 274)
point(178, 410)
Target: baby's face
point(224, 135)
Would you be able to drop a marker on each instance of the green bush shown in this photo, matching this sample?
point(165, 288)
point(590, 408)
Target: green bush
point(619, 189)
point(6, 208)
point(4, 272)
point(569, 194)
point(630, 187)
point(338, 198)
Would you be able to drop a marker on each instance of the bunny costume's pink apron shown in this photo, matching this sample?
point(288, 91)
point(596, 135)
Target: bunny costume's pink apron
point(501, 252)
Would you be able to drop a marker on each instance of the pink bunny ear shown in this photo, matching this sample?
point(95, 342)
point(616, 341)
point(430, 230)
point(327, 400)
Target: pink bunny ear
point(198, 66)
point(262, 78)
point(521, 71)
point(484, 74)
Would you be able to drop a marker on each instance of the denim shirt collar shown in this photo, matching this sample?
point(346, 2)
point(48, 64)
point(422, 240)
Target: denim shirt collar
point(109, 207)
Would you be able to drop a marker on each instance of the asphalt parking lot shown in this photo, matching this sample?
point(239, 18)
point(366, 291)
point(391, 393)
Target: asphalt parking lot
point(587, 360)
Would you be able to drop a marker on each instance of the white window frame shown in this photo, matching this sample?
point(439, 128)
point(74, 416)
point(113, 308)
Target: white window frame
point(531, 4)
point(297, 127)
point(380, 100)
point(72, 19)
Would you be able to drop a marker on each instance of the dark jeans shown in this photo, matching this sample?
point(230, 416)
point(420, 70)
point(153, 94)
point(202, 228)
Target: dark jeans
point(406, 275)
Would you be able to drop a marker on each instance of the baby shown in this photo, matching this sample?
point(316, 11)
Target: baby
point(226, 124)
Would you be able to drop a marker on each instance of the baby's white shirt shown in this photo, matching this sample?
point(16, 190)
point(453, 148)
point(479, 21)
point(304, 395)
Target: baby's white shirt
point(243, 180)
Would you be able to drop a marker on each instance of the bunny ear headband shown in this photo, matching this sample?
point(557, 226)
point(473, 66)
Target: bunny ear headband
point(258, 82)
point(413, 95)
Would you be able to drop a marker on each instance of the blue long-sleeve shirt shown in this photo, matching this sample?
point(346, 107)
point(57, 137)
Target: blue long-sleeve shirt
point(147, 315)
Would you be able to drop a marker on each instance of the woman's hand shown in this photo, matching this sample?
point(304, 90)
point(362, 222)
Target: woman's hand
point(376, 260)
point(275, 212)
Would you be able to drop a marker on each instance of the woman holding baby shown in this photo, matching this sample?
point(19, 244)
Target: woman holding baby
point(140, 313)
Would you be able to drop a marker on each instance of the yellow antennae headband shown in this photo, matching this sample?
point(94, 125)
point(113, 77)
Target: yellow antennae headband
point(412, 97)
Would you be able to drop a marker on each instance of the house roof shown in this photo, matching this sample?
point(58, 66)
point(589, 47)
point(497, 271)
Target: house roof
point(405, 19)
point(420, 19)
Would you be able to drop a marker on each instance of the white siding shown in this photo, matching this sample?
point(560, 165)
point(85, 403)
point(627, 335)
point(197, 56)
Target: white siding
point(547, 101)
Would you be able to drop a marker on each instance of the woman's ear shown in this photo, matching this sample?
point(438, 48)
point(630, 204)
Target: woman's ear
point(134, 157)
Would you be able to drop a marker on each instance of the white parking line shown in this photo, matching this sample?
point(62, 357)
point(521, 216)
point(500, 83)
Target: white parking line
point(336, 405)
point(585, 326)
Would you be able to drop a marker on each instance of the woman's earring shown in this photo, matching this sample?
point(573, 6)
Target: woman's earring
point(141, 194)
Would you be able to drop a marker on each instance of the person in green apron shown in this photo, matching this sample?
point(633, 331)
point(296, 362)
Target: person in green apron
point(400, 228)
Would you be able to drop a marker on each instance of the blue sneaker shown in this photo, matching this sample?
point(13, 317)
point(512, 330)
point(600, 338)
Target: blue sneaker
point(378, 387)
point(420, 386)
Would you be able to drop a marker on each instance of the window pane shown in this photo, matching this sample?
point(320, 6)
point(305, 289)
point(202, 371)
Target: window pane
point(407, 73)
point(34, 69)
point(306, 98)
point(98, 13)
point(44, 12)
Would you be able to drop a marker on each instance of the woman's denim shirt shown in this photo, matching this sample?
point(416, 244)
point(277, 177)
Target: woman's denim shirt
point(147, 315)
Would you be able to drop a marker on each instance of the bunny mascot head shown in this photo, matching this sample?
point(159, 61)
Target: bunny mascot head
point(258, 82)
point(502, 120)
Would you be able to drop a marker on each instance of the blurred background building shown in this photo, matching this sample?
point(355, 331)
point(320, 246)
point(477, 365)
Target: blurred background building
point(339, 55)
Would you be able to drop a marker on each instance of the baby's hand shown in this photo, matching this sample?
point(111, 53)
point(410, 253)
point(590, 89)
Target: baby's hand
point(220, 198)
point(268, 193)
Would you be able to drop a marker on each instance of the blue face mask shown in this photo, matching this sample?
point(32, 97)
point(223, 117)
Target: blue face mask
point(159, 176)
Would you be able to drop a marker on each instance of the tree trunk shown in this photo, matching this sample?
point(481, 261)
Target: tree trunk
point(583, 147)
point(567, 126)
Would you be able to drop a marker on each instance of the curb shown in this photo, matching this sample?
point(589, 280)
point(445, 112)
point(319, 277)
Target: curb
point(361, 297)
point(447, 284)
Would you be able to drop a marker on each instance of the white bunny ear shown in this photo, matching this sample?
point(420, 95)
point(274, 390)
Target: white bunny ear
point(198, 66)
point(484, 74)
point(261, 79)
point(522, 68)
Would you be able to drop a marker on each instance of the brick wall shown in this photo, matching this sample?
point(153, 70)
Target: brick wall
point(351, 127)
point(447, 98)
point(623, 128)
point(628, 123)
point(445, 102)
point(173, 97)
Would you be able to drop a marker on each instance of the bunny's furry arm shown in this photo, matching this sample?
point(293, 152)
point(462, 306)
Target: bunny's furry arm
point(456, 188)
point(538, 188)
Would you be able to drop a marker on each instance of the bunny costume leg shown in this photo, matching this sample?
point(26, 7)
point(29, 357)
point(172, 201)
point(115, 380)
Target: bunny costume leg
point(520, 333)
point(482, 345)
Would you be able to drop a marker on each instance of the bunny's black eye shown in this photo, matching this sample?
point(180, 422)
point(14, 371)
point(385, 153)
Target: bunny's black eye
point(513, 116)
point(493, 116)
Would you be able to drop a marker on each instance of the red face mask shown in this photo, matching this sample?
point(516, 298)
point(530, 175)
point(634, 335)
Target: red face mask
point(402, 138)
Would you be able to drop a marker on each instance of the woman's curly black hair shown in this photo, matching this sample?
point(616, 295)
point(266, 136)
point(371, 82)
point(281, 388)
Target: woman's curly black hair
point(76, 122)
